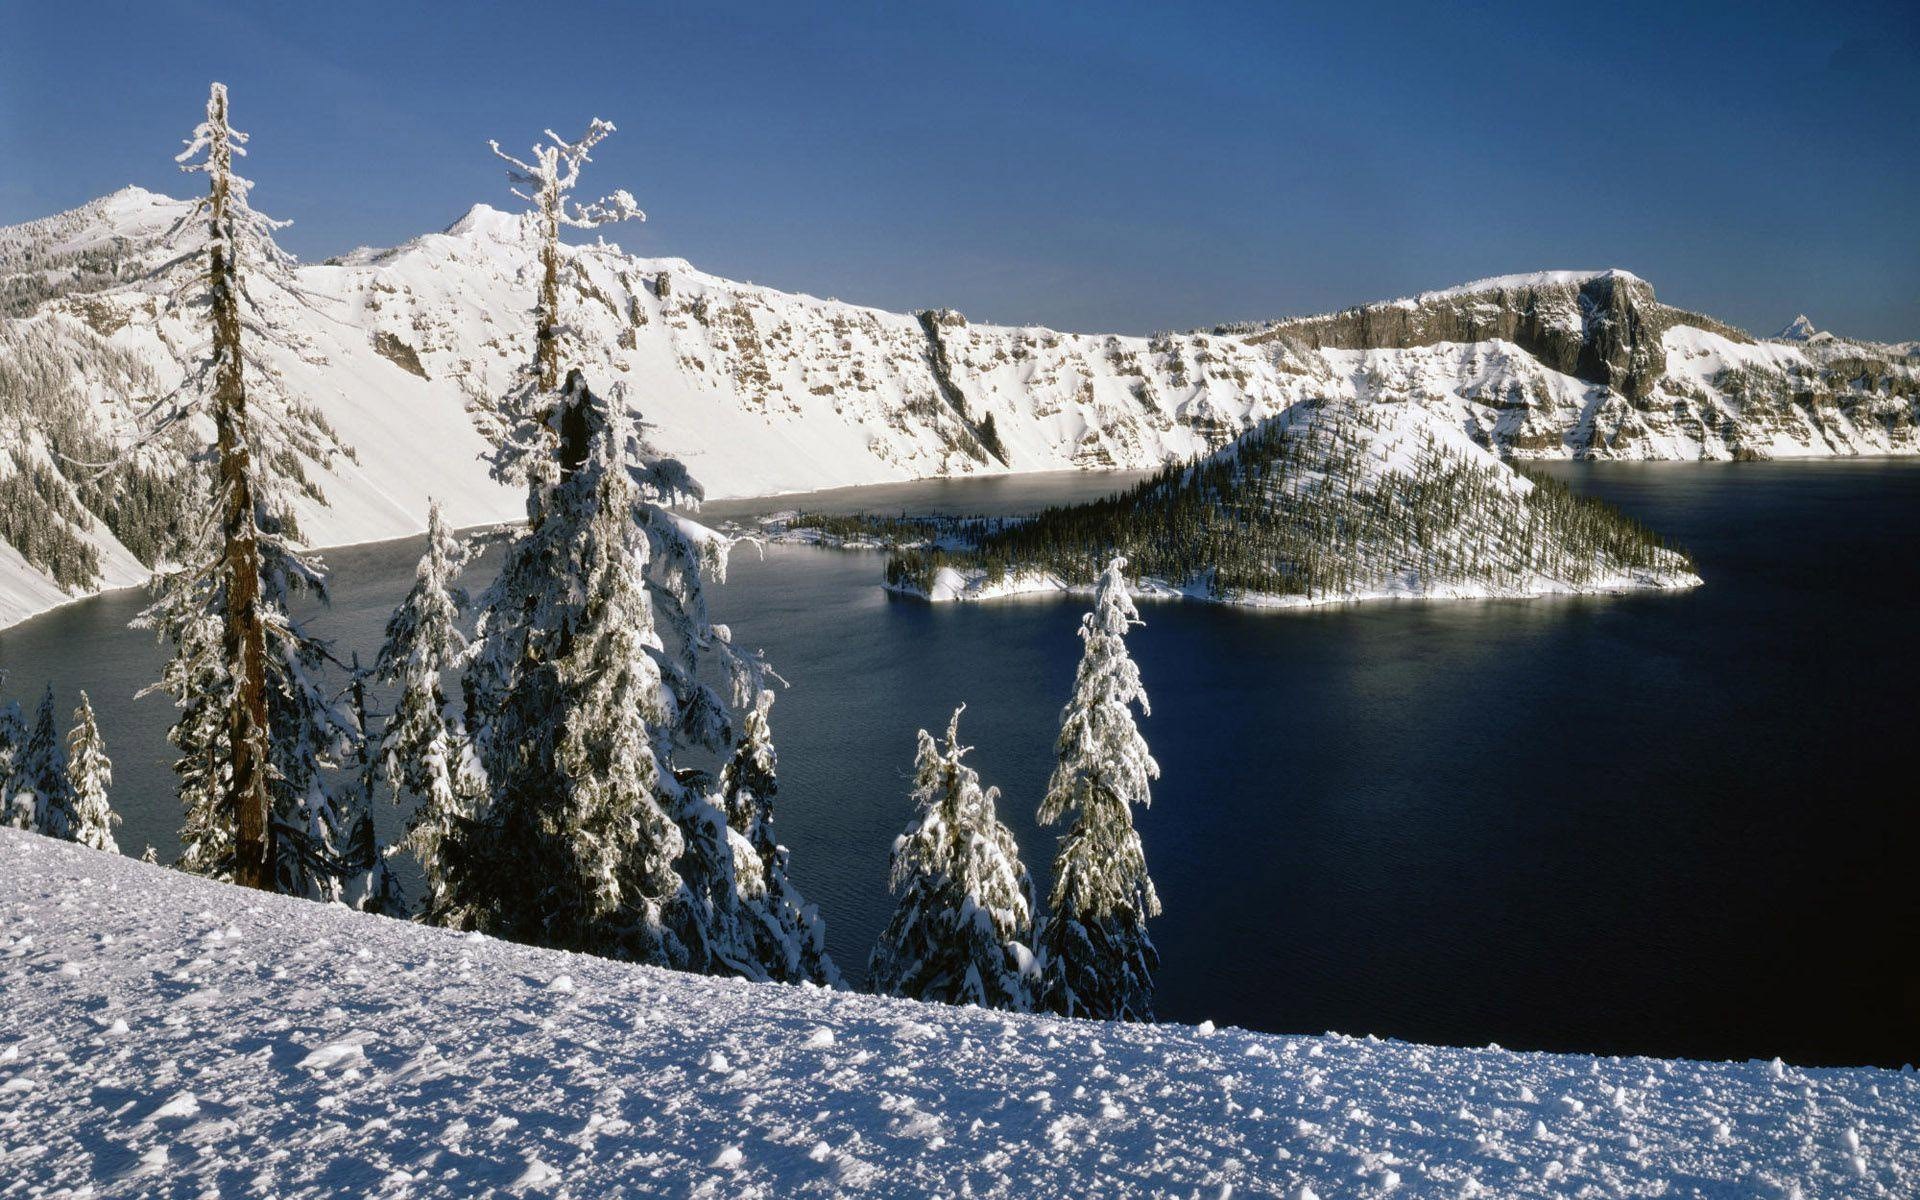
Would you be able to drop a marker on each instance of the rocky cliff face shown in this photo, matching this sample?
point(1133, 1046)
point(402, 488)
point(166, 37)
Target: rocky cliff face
point(1604, 328)
point(1664, 382)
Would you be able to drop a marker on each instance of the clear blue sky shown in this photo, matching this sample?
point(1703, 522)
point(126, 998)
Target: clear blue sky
point(1109, 168)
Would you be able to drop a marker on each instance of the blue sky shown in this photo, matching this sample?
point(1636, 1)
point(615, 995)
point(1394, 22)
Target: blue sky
point(1108, 167)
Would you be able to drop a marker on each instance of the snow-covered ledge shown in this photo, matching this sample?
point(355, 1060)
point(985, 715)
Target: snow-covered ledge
point(164, 1035)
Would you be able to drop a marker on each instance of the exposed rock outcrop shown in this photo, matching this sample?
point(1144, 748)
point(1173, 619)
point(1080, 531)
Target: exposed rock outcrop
point(1604, 327)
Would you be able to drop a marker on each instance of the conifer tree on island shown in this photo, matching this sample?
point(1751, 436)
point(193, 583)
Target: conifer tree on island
point(1096, 959)
point(92, 773)
point(423, 750)
point(964, 924)
point(257, 731)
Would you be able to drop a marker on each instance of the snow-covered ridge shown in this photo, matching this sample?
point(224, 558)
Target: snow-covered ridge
point(165, 1035)
point(1525, 281)
point(762, 392)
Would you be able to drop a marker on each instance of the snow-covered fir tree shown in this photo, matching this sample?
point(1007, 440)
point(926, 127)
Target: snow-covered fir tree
point(92, 773)
point(42, 792)
point(257, 732)
point(1096, 959)
point(371, 884)
point(423, 750)
point(571, 721)
point(788, 935)
point(184, 613)
point(13, 739)
point(528, 420)
point(305, 737)
point(587, 675)
point(962, 931)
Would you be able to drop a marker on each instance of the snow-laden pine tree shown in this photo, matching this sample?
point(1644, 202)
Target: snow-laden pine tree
point(787, 933)
point(529, 420)
point(962, 931)
point(370, 884)
point(13, 739)
point(257, 731)
point(423, 750)
point(43, 793)
point(587, 675)
point(92, 773)
point(572, 719)
point(1096, 959)
point(42, 790)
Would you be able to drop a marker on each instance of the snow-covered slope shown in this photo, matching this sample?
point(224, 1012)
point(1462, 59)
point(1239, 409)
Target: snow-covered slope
point(761, 391)
point(1590, 363)
point(167, 1036)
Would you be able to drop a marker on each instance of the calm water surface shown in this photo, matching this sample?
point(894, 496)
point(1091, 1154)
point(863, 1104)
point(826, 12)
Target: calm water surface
point(1678, 824)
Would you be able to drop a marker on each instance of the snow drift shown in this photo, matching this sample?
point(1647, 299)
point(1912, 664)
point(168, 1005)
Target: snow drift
point(168, 1036)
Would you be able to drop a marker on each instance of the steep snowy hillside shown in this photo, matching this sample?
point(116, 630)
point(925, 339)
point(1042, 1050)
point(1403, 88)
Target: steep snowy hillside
point(1590, 363)
point(1330, 502)
point(761, 391)
point(167, 1036)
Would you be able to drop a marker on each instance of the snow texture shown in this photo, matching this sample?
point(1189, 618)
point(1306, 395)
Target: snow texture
point(165, 1035)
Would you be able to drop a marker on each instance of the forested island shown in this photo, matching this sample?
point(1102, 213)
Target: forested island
point(1330, 501)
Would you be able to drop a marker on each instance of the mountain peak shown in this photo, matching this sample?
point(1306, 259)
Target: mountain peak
point(484, 220)
point(133, 193)
point(1800, 329)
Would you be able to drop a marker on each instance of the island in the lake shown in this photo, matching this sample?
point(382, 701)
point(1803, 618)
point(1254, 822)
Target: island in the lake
point(1330, 502)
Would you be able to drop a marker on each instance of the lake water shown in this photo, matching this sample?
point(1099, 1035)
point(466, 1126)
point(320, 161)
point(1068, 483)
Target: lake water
point(1676, 824)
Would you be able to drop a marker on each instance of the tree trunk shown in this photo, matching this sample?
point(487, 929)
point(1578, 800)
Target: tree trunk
point(244, 639)
point(547, 320)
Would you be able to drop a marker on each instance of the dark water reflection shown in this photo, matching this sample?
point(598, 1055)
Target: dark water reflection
point(1673, 824)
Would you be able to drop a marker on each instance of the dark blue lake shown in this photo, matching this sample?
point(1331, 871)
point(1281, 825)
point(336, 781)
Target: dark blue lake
point(1676, 824)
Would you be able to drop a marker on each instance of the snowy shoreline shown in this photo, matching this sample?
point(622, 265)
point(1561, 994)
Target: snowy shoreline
point(165, 1035)
point(955, 587)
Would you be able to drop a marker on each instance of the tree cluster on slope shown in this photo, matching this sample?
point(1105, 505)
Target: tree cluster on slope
point(556, 804)
point(555, 808)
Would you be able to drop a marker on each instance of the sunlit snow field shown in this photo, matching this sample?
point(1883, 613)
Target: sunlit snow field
point(219, 1041)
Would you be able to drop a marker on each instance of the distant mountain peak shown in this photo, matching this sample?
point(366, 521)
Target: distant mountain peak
point(484, 220)
point(1800, 329)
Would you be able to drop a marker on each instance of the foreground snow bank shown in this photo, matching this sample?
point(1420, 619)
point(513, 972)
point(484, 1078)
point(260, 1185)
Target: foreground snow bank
point(164, 1035)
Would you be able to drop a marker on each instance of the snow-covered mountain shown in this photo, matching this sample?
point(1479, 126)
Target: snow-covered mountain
point(165, 1035)
point(1590, 364)
point(1800, 329)
point(761, 391)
